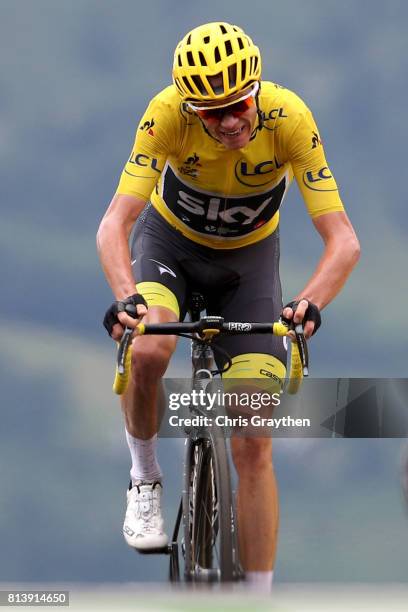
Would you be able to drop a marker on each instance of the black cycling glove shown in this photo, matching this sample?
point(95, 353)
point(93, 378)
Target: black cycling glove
point(128, 305)
point(312, 314)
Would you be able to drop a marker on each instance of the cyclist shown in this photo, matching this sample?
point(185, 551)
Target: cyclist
point(213, 157)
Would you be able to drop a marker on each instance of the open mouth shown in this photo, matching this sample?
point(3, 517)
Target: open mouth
point(234, 133)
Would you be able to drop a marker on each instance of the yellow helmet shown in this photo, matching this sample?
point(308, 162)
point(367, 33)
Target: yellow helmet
point(214, 61)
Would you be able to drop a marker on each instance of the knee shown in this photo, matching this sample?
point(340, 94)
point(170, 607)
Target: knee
point(151, 355)
point(251, 455)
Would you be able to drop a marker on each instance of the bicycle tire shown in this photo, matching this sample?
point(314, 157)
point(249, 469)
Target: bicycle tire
point(210, 534)
point(173, 551)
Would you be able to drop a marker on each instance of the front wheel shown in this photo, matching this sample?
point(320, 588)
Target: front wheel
point(210, 531)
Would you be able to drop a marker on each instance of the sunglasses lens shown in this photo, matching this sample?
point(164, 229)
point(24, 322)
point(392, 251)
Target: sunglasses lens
point(241, 107)
point(236, 110)
point(210, 114)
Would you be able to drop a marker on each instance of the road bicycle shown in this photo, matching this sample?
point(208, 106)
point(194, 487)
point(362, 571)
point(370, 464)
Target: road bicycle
point(205, 536)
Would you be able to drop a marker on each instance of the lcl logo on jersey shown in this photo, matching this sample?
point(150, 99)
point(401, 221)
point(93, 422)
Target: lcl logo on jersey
point(322, 180)
point(209, 213)
point(269, 120)
point(256, 175)
point(142, 161)
point(274, 113)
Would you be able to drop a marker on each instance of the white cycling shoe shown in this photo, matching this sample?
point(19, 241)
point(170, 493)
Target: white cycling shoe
point(143, 526)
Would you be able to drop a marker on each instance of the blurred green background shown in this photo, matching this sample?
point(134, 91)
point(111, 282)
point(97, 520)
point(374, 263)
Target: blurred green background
point(75, 78)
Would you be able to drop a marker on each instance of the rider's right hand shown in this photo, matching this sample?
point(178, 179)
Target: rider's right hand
point(124, 313)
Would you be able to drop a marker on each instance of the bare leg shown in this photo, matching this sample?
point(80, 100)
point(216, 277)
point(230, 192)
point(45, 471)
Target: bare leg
point(143, 527)
point(257, 503)
point(150, 358)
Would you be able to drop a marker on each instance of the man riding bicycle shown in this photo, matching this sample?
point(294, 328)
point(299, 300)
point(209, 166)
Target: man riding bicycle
point(213, 157)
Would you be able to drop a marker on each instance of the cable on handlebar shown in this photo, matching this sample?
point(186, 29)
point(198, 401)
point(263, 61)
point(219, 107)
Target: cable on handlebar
point(216, 348)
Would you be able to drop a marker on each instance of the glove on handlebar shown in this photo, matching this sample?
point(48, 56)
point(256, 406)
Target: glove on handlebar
point(129, 305)
point(312, 314)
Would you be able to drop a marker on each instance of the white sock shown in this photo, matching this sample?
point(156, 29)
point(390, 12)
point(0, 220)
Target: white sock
point(144, 460)
point(261, 582)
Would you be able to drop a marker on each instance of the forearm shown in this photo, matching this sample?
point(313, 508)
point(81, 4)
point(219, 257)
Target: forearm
point(332, 271)
point(113, 244)
point(113, 250)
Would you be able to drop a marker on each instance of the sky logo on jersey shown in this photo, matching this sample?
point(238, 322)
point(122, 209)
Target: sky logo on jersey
point(321, 180)
point(257, 175)
point(212, 214)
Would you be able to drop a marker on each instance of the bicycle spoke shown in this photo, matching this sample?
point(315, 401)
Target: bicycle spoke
point(211, 550)
point(212, 518)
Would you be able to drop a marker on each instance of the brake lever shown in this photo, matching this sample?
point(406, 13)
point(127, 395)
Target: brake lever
point(126, 340)
point(122, 349)
point(302, 346)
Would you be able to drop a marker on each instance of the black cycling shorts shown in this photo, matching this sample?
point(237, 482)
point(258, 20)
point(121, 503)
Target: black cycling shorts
point(240, 284)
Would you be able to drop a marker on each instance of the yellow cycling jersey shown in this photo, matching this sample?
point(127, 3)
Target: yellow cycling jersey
point(225, 198)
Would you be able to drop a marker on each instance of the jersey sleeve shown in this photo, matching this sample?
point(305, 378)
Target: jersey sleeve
point(313, 176)
point(154, 141)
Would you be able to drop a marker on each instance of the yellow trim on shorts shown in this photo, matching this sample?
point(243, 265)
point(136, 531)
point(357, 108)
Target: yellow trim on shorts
point(268, 371)
point(157, 294)
point(257, 365)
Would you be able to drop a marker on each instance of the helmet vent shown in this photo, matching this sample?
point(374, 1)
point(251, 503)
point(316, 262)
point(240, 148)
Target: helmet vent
point(206, 39)
point(199, 84)
point(240, 43)
point(187, 84)
point(232, 76)
point(189, 39)
point(217, 55)
point(223, 29)
point(255, 64)
point(228, 47)
point(202, 58)
point(243, 69)
point(180, 63)
point(190, 58)
point(217, 83)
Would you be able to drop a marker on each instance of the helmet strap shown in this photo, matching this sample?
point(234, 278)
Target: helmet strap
point(260, 115)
